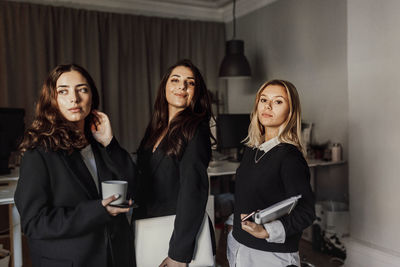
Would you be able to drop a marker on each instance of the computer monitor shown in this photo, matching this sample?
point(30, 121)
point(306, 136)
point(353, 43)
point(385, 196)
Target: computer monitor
point(12, 128)
point(232, 129)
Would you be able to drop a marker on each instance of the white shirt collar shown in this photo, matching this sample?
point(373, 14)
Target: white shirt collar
point(87, 150)
point(268, 145)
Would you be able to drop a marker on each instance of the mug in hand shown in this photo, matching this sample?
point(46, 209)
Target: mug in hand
point(113, 187)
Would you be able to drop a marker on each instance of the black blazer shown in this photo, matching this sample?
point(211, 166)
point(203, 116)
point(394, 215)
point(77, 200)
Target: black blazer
point(167, 186)
point(61, 210)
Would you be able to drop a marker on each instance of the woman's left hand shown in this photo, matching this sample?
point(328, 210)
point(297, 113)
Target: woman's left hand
point(256, 230)
point(172, 263)
point(101, 128)
point(114, 211)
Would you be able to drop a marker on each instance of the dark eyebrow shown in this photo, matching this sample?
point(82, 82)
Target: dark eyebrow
point(273, 96)
point(67, 86)
point(82, 84)
point(176, 75)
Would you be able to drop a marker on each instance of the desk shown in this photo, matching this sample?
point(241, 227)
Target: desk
point(314, 163)
point(321, 163)
point(218, 168)
point(7, 198)
point(224, 167)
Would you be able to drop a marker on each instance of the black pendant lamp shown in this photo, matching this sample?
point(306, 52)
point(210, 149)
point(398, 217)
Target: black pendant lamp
point(234, 64)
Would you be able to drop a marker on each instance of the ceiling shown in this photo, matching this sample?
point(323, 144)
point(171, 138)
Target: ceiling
point(209, 10)
point(198, 3)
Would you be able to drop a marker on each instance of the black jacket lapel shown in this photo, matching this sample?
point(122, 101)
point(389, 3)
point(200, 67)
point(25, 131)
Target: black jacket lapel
point(156, 159)
point(81, 173)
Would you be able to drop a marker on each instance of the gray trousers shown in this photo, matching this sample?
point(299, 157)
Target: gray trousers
point(242, 256)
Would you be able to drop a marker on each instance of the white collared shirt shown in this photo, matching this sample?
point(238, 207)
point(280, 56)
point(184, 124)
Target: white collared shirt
point(90, 162)
point(268, 145)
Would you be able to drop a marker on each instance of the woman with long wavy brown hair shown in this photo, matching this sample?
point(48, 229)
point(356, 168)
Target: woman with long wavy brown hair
point(173, 158)
point(67, 152)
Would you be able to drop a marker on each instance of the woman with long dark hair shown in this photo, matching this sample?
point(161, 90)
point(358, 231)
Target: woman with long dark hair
point(173, 158)
point(68, 151)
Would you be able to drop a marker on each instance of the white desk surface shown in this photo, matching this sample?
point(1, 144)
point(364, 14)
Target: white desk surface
point(7, 190)
point(7, 194)
point(13, 176)
point(7, 198)
point(225, 167)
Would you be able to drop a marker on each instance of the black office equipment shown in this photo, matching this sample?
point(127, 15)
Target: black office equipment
point(232, 129)
point(12, 128)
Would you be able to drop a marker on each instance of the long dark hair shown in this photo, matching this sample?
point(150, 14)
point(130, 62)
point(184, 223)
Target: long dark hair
point(183, 126)
point(49, 128)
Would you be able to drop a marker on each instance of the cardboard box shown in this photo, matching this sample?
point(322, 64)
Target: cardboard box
point(4, 257)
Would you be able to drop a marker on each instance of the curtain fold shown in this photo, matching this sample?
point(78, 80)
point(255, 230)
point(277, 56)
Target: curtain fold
point(125, 54)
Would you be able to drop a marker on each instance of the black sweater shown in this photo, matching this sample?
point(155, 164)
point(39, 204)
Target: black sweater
point(281, 173)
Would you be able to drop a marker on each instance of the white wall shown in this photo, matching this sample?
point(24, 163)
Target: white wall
point(344, 58)
point(374, 123)
point(303, 42)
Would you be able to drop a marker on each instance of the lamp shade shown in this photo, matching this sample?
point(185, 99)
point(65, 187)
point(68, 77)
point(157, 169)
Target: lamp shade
point(234, 64)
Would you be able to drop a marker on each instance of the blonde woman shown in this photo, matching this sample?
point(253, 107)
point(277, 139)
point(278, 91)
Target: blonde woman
point(273, 168)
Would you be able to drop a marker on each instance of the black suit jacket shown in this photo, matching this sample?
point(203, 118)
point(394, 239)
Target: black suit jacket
point(167, 186)
point(61, 210)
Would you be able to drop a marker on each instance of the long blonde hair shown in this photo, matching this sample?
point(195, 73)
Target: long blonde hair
point(289, 131)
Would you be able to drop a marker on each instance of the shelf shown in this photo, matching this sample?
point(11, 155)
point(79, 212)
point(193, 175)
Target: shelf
point(320, 163)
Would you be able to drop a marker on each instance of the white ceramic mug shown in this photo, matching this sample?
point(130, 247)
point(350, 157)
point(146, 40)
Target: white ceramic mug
point(113, 187)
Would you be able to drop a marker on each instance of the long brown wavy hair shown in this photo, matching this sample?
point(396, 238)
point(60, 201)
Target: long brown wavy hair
point(183, 126)
point(49, 128)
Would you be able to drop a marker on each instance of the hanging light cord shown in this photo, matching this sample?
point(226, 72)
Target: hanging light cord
point(234, 19)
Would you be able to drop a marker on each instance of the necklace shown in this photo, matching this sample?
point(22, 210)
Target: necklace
point(255, 156)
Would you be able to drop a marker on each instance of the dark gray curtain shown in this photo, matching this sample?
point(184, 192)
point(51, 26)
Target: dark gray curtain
point(125, 54)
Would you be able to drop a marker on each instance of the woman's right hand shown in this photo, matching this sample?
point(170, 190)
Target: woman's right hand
point(101, 128)
point(114, 211)
point(256, 230)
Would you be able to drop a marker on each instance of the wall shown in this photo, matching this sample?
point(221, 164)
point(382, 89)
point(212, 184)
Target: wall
point(305, 43)
point(374, 128)
point(342, 56)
